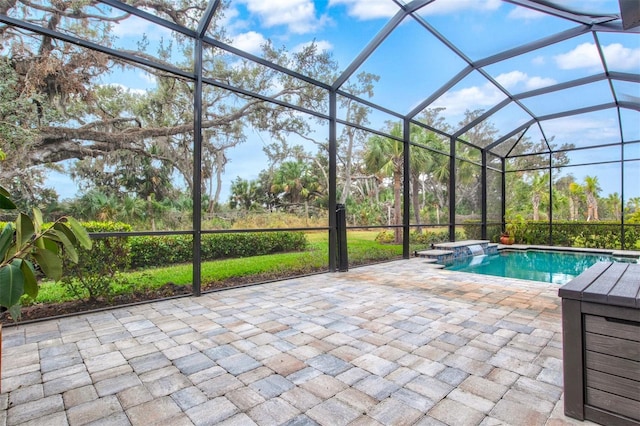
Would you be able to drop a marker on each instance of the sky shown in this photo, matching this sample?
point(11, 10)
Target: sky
point(413, 64)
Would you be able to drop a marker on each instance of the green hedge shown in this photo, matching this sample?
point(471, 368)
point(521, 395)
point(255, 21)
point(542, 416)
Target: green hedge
point(425, 238)
point(159, 251)
point(473, 231)
point(601, 234)
point(430, 237)
point(140, 252)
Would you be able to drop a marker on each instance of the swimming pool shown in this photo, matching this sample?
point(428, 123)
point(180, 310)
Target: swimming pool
point(534, 265)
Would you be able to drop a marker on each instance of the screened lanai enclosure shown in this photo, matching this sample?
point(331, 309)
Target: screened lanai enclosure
point(196, 131)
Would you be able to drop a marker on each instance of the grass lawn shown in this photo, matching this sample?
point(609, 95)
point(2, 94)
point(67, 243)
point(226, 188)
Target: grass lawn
point(362, 248)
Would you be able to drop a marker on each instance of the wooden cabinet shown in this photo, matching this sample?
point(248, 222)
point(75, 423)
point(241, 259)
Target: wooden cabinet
point(601, 344)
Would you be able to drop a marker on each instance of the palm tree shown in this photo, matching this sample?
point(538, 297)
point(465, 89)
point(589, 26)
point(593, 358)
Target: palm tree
point(614, 202)
point(575, 193)
point(539, 186)
point(132, 209)
point(420, 163)
point(97, 205)
point(633, 205)
point(591, 189)
point(385, 155)
point(436, 180)
point(296, 183)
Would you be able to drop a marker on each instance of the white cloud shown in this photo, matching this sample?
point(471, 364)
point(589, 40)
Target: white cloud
point(486, 96)
point(128, 89)
point(476, 97)
point(441, 7)
point(524, 13)
point(231, 21)
point(619, 57)
point(148, 77)
point(538, 82)
point(375, 9)
point(134, 27)
point(587, 130)
point(585, 55)
point(513, 79)
point(321, 45)
point(367, 9)
point(298, 15)
point(250, 42)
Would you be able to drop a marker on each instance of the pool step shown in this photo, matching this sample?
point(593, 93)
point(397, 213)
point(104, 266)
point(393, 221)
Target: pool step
point(432, 254)
point(435, 256)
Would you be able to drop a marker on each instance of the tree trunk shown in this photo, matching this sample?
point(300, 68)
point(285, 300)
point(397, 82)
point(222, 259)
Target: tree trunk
point(571, 209)
point(536, 206)
point(415, 199)
point(397, 205)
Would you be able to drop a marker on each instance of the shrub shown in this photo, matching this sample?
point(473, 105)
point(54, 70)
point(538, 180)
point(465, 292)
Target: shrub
point(428, 237)
point(385, 237)
point(159, 251)
point(97, 269)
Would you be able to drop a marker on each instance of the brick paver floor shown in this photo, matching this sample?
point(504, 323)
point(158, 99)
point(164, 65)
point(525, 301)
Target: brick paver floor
point(392, 344)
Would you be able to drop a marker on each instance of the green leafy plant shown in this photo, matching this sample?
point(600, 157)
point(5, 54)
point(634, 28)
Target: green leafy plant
point(98, 270)
point(25, 243)
point(515, 226)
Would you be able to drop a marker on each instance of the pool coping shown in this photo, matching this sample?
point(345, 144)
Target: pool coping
point(611, 252)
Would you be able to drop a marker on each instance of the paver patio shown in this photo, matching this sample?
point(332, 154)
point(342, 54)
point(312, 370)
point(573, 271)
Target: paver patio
point(393, 344)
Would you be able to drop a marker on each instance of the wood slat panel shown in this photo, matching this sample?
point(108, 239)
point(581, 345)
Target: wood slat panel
point(613, 365)
point(614, 403)
point(614, 384)
point(623, 330)
point(630, 314)
point(574, 288)
point(627, 290)
point(612, 346)
point(599, 290)
point(608, 418)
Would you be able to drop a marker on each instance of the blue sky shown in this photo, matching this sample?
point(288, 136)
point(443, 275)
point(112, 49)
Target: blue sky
point(412, 64)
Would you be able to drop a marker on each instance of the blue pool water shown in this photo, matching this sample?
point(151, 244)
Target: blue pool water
point(534, 265)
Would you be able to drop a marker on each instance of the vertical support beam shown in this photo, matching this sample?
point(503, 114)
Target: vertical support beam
point(333, 149)
point(622, 240)
point(550, 199)
point(406, 212)
point(503, 207)
point(197, 171)
point(341, 231)
point(452, 189)
point(483, 201)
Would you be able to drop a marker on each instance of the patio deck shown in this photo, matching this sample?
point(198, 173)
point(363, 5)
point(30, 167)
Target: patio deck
point(391, 344)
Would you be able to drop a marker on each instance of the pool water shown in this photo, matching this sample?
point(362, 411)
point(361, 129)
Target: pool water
point(533, 265)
